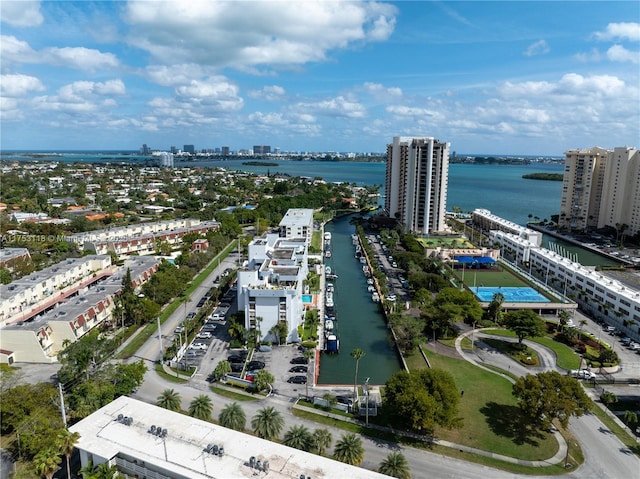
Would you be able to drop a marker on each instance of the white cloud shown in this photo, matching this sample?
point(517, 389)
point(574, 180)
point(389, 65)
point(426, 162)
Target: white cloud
point(618, 53)
point(23, 13)
point(14, 50)
point(269, 93)
point(174, 75)
point(80, 58)
point(267, 33)
point(409, 111)
point(19, 85)
point(621, 31)
point(537, 48)
point(334, 107)
point(381, 92)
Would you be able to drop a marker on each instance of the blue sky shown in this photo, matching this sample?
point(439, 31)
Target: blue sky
point(530, 78)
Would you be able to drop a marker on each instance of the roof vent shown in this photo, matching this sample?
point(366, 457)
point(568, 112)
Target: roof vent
point(126, 420)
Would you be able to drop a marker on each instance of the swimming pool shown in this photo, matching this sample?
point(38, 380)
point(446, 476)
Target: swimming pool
point(307, 298)
point(511, 294)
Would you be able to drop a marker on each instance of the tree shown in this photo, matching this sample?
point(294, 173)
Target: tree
point(395, 465)
point(630, 418)
point(99, 471)
point(495, 308)
point(201, 407)
point(47, 462)
point(452, 305)
point(321, 441)
point(267, 423)
point(563, 316)
point(421, 399)
point(607, 398)
point(356, 354)
point(262, 380)
point(349, 450)
point(550, 395)
point(221, 369)
point(298, 437)
point(169, 399)
point(233, 417)
point(525, 323)
point(67, 441)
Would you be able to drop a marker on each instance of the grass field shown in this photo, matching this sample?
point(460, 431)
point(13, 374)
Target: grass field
point(490, 277)
point(492, 420)
point(437, 242)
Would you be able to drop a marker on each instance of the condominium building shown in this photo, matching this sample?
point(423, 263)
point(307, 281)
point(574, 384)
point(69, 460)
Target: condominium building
point(601, 188)
point(146, 441)
point(297, 223)
point(416, 183)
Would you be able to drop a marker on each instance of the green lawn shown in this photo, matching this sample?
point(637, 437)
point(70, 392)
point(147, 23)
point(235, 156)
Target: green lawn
point(567, 358)
point(490, 277)
point(492, 420)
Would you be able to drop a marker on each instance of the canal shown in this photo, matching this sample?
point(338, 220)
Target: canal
point(360, 322)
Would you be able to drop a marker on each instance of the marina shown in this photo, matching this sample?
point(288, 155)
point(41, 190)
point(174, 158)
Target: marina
point(354, 319)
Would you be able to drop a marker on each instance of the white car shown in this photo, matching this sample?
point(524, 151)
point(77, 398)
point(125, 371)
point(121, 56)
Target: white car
point(202, 346)
point(391, 297)
point(204, 335)
point(583, 374)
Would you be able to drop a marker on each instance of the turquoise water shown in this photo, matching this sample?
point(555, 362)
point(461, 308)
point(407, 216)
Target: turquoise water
point(512, 294)
point(307, 298)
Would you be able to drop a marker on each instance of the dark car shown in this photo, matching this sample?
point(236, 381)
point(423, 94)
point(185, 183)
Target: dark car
point(255, 365)
point(299, 360)
point(298, 369)
point(201, 302)
point(236, 358)
point(237, 367)
point(297, 380)
point(345, 400)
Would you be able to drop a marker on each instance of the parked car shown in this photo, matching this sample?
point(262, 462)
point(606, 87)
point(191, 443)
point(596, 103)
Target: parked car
point(201, 302)
point(236, 358)
point(202, 346)
point(264, 348)
point(299, 360)
point(344, 400)
point(391, 297)
point(209, 327)
point(583, 374)
point(216, 316)
point(179, 330)
point(237, 367)
point(204, 335)
point(298, 369)
point(191, 315)
point(255, 365)
point(297, 380)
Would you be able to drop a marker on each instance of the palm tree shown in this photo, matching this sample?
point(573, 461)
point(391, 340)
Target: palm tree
point(395, 465)
point(267, 423)
point(298, 437)
point(67, 441)
point(233, 417)
point(262, 380)
point(201, 407)
point(349, 450)
point(169, 399)
point(356, 354)
point(47, 462)
point(101, 471)
point(321, 441)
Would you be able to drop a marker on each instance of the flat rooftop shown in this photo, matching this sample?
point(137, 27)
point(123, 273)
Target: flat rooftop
point(182, 452)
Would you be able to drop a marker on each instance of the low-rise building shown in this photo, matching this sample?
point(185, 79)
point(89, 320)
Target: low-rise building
point(144, 440)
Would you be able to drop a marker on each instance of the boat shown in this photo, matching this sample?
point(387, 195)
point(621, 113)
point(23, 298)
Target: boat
point(332, 344)
point(328, 325)
point(331, 276)
point(328, 254)
point(327, 236)
point(363, 260)
point(370, 281)
point(330, 287)
point(371, 288)
point(327, 269)
point(375, 297)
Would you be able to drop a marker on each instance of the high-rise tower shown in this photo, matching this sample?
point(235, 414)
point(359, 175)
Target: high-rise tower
point(416, 183)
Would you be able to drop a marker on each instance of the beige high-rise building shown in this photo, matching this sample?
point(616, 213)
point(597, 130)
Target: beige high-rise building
point(416, 183)
point(601, 188)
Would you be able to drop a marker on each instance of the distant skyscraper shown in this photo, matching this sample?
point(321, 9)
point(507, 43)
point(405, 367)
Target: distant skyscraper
point(189, 149)
point(416, 183)
point(601, 188)
point(225, 151)
point(261, 149)
point(145, 150)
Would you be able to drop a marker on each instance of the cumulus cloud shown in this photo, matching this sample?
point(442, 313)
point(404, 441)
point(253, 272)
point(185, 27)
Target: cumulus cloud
point(334, 107)
point(24, 13)
point(537, 48)
point(383, 93)
point(620, 31)
point(269, 93)
point(410, 111)
point(19, 85)
point(275, 33)
point(80, 58)
point(618, 53)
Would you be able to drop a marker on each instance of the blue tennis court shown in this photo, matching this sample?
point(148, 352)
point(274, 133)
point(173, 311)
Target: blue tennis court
point(511, 294)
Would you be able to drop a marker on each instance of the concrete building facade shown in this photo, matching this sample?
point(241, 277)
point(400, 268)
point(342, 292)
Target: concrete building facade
point(416, 183)
point(297, 223)
point(601, 188)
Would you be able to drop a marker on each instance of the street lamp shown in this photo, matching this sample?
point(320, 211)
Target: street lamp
point(366, 395)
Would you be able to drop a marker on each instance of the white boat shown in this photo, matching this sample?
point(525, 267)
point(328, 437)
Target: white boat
point(375, 297)
point(371, 288)
point(363, 260)
point(328, 254)
point(328, 325)
point(327, 269)
point(327, 236)
point(370, 281)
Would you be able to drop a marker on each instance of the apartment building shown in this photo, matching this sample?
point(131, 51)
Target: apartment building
point(297, 223)
point(270, 284)
point(601, 188)
point(416, 183)
point(146, 441)
point(485, 221)
point(40, 333)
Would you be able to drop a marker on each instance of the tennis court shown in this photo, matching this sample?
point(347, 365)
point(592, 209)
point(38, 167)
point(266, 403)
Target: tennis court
point(511, 294)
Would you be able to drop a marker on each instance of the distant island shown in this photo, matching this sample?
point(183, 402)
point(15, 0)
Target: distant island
point(544, 176)
point(259, 163)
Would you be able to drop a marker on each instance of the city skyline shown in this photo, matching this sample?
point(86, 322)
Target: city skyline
point(509, 78)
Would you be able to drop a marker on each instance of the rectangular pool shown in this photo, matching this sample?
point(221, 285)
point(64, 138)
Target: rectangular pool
point(307, 298)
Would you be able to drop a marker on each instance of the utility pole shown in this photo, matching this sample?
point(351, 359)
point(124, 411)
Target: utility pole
point(160, 337)
point(366, 394)
point(62, 409)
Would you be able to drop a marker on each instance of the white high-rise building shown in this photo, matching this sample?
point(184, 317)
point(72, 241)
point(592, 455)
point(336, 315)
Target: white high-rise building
point(416, 183)
point(601, 188)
